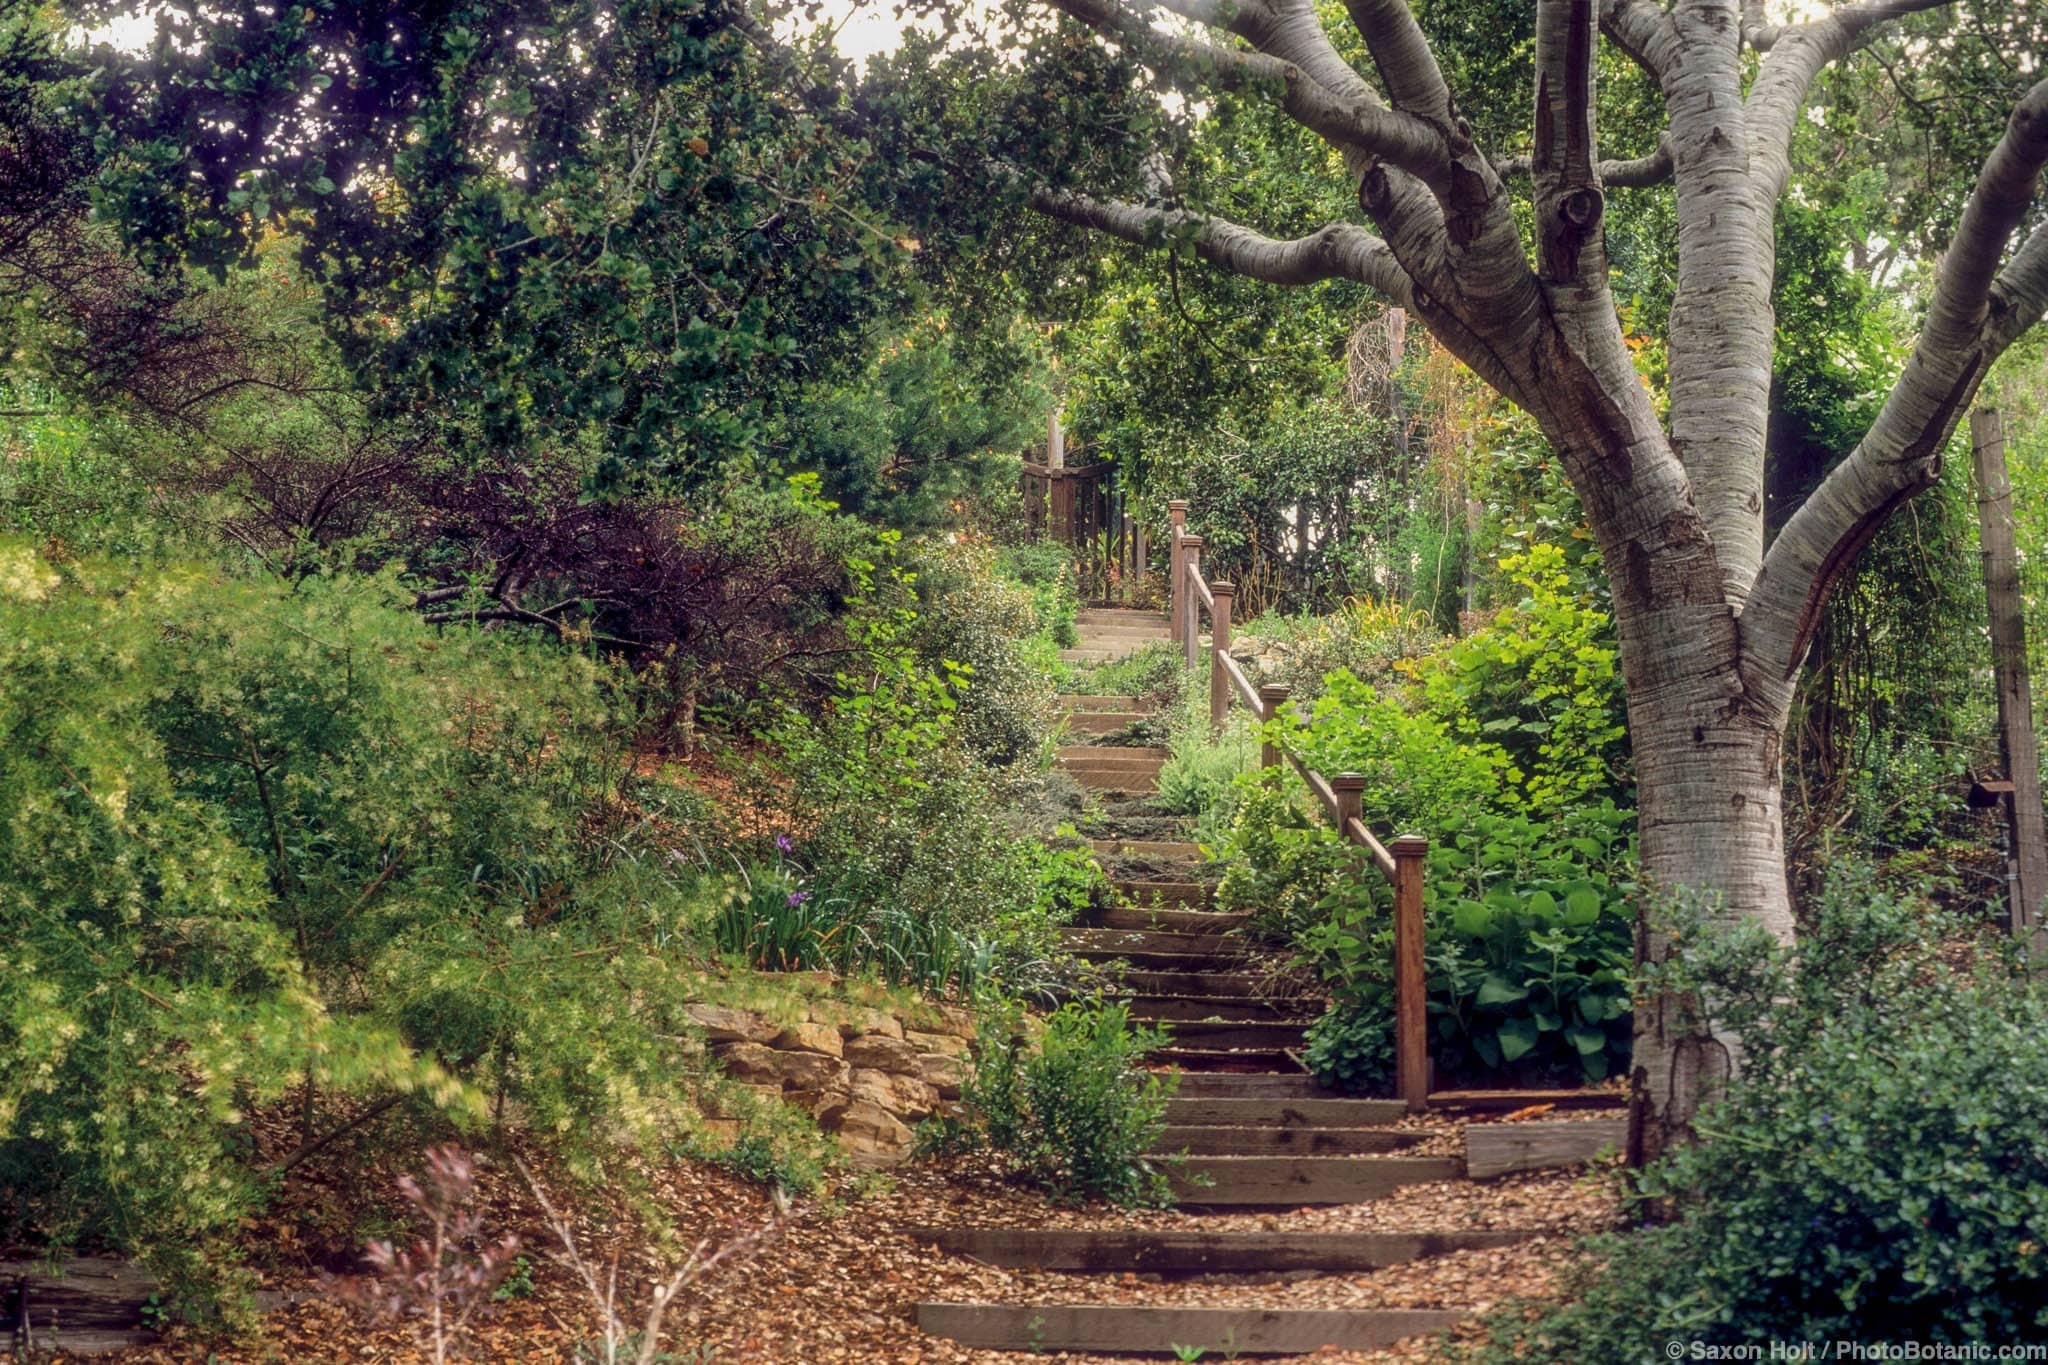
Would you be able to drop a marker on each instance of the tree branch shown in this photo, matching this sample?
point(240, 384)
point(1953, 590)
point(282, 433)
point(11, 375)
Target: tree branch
point(1402, 54)
point(1338, 251)
point(1976, 312)
point(1643, 31)
point(1635, 174)
point(1798, 54)
point(1354, 121)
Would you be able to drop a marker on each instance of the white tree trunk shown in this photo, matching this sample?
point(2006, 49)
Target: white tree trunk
point(1710, 822)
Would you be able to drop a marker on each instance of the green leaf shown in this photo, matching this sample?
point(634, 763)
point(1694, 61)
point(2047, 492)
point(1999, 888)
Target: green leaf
point(1587, 1040)
point(1498, 990)
point(1517, 1037)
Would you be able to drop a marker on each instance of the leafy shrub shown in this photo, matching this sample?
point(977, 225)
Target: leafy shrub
point(1351, 1047)
point(1541, 683)
point(1529, 941)
point(266, 838)
point(1875, 1173)
point(1076, 1112)
point(1368, 639)
point(1416, 770)
point(1156, 674)
point(1046, 568)
point(912, 867)
point(976, 624)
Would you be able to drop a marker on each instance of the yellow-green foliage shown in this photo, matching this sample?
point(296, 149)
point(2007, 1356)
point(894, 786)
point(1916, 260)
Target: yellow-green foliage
point(253, 833)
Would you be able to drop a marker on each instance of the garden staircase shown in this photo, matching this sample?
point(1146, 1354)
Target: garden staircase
point(1258, 1132)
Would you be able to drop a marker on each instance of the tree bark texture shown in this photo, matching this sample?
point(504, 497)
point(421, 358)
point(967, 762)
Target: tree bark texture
point(1715, 619)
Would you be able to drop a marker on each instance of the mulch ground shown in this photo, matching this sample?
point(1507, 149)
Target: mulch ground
point(841, 1278)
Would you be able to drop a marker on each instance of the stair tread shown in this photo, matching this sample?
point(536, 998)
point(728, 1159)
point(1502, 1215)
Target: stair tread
point(1127, 1327)
point(1202, 1251)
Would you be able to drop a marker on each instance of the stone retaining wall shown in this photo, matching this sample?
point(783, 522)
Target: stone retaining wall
point(866, 1075)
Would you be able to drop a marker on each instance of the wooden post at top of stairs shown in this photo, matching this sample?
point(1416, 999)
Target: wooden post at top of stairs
point(1176, 577)
point(1411, 981)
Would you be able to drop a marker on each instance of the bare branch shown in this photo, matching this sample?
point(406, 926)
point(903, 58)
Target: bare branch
point(1976, 312)
point(1635, 174)
point(1339, 251)
point(1355, 121)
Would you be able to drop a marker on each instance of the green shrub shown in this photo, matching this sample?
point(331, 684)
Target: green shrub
point(1372, 641)
point(1046, 568)
point(1874, 1175)
point(1416, 770)
point(911, 866)
point(265, 838)
point(1351, 1047)
point(977, 625)
point(1156, 674)
point(1076, 1112)
point(1542, 684)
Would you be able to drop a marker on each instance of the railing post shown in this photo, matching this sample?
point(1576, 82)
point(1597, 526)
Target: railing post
point(1272, 696)
point(1191, 608)
point(1176, 582)
point(1219, 646)
point(1411, 981)
point(1350, 800)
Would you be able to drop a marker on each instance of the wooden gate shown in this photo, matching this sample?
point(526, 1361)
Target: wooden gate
point(1083, 507)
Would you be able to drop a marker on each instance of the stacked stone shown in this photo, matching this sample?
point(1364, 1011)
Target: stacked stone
point(866, 1076)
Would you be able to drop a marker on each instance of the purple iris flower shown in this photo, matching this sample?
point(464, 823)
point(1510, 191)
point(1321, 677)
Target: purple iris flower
point(797, 898)
point(782, 843)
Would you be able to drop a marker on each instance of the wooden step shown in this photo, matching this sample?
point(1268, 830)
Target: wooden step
point(1231, 1007)
point(1116, 1250)
point(1223, 985)
point(1277, 1035)
point(1193, 894)
point(1176, 964)
point(1154, 941)
point(1507, 1101)
point(1233, 1061)
point(1173, 921)
point(1293, 1181)
point(1122, 1329)
point(1088, 701)
point(1165, 850)
point(1207, 1111)
point(1136, 781)
point(1509, 1148)
point(1222, 1140)
point(1262, 1088)
point(1132, 755)
point(1104, 722)
point(1120, 616)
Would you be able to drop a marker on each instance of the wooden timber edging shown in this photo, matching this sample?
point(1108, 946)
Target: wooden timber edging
point(1493, 1149)
point(1160, 1331)
point(1115, 1250)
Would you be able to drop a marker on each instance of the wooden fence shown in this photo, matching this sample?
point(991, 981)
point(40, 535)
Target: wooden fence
point(1399, 860)
point(1083, 507)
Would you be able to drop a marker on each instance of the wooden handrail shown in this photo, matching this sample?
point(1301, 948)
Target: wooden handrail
point(1234, 670)
point(1401, 863)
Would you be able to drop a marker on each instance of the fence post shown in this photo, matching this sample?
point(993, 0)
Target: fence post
point(1191, 609)
point(1219, 642)
point(1411, 981)
point(1350, 801)
point(1272, 696)
point(1176, 582)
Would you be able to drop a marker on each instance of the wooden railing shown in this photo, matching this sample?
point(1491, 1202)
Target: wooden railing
point(1400, 860)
